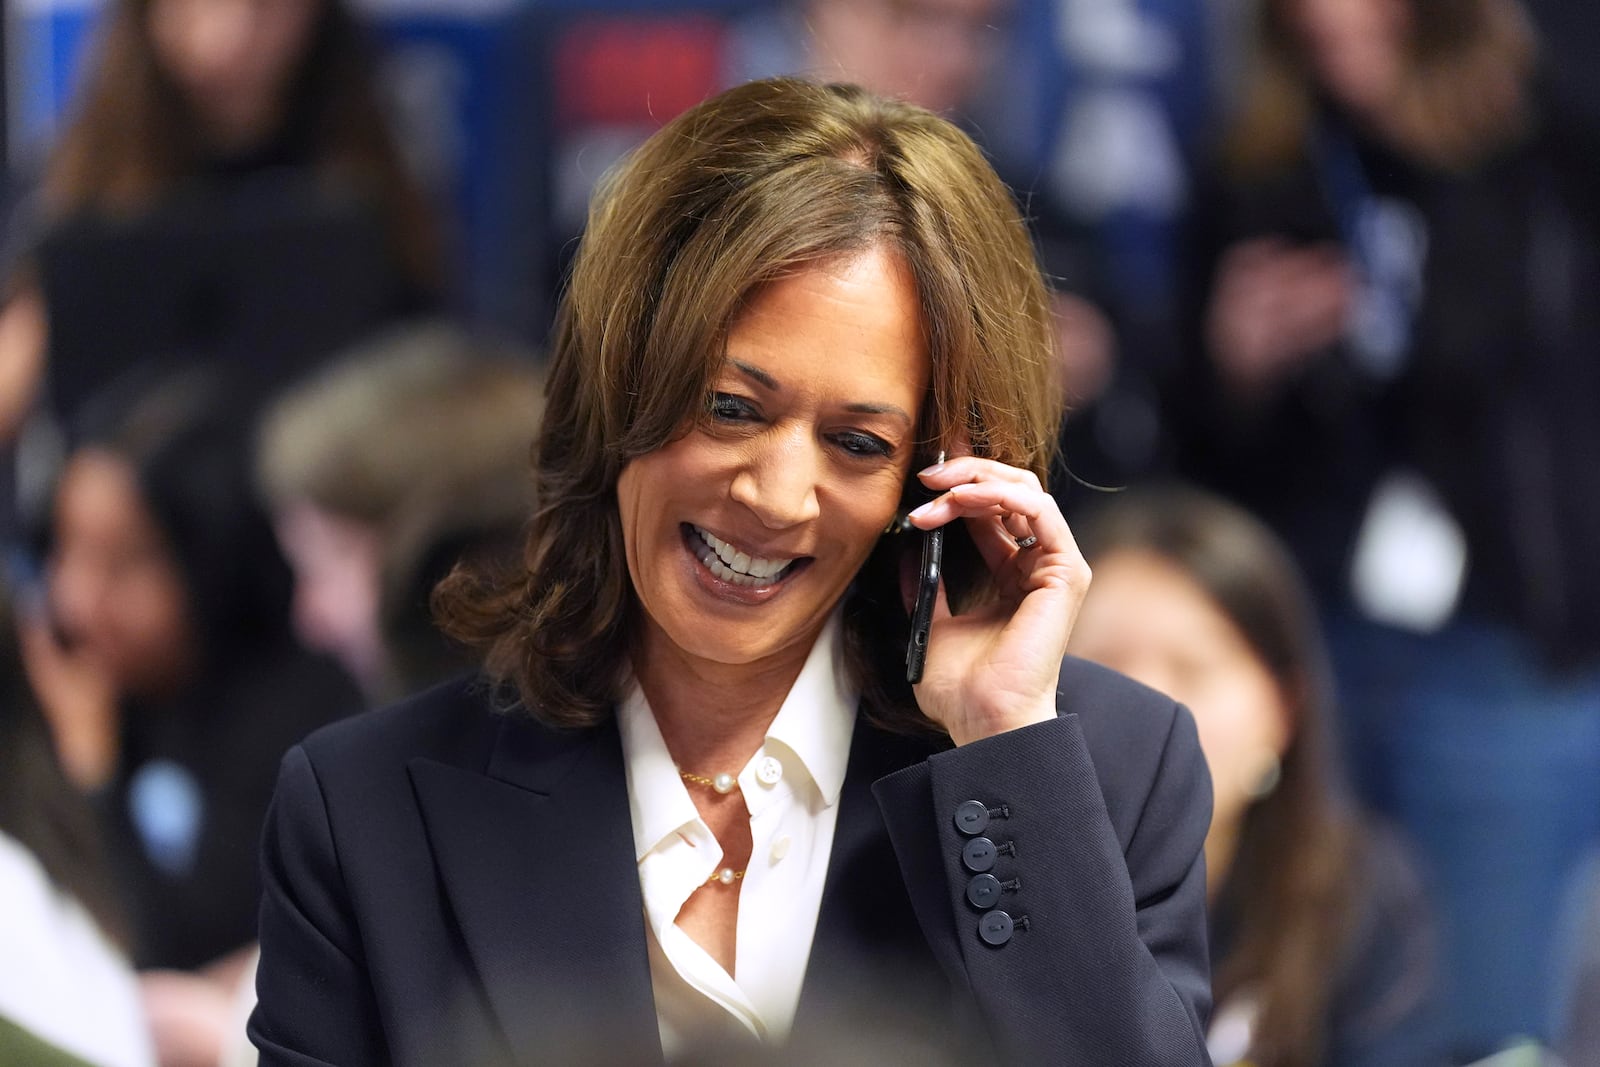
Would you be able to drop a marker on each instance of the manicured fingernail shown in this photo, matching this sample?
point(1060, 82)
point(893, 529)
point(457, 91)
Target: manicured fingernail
point(935, 468)
point(918, 512)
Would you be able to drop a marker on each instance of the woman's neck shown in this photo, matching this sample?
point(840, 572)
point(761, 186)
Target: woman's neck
point(713, 716)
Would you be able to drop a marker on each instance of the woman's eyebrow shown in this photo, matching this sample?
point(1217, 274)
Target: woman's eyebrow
point(880, 409)
point(760, 376)
point(767, 381)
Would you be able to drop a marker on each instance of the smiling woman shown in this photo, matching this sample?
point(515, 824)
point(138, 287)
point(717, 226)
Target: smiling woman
point(781, 179)
point(788, 301)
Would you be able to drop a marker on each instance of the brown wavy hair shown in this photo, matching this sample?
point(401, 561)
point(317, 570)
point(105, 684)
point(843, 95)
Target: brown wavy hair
point(133, 136)
point(1463, 98)
point(762, 180)
point(1296, 878)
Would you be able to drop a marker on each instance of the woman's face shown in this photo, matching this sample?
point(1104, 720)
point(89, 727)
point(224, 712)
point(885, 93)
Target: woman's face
point(1148, 619)
point(115, 590)
point(232, 59)
point(1356, 48)
point(743, 534)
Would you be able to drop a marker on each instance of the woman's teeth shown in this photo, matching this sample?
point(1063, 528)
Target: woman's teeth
point(731, 565)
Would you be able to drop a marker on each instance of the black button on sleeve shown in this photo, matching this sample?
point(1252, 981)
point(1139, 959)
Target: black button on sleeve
point(979, 854)
point(972, 817)
point(995, 928)
point(984, 891)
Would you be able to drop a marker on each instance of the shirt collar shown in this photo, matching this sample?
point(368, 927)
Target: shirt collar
point(657, 799)
point(814, 723)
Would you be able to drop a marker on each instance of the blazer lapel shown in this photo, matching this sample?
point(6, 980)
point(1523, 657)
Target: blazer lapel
point(868, 939)
point(535, 857)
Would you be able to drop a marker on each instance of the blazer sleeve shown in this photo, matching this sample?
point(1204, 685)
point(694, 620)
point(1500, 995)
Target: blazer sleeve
point(1100, 956)
point(315, 1002)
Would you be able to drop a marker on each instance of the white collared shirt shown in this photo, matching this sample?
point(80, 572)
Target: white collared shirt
point(791, 788)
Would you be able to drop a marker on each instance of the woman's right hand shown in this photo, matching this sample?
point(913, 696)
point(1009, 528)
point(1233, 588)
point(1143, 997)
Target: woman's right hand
point(997, 667)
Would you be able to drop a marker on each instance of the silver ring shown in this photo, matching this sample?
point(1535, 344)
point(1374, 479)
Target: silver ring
point(1028, 542)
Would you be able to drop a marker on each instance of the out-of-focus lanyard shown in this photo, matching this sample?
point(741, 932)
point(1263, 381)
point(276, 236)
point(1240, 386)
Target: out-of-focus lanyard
point(1387, 241)
point(1409, 563)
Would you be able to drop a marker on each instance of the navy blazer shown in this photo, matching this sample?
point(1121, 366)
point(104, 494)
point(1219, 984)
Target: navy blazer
point(448, 884)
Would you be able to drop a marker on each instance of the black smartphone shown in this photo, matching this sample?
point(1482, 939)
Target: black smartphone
point(927, 593)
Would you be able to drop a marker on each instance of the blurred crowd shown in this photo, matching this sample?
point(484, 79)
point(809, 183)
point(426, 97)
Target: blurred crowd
point(1327, 294)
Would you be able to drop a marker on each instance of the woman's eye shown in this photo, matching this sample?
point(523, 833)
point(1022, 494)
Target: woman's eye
point(725, 407)
point(864, 444)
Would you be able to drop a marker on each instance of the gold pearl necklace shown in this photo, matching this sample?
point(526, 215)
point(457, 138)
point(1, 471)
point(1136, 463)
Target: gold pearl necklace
point(726, 876)
point(724, 784)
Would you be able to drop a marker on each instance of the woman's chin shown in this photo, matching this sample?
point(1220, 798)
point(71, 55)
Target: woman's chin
point(732, 624)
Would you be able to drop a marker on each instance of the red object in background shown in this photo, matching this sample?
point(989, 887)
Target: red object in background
point(636, 71)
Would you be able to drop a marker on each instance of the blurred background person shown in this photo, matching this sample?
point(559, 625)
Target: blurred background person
point(406, 456)
point(67, 992)
point(1393, 258)
point(225, 186)
point(1321, 946)
point(173, 683)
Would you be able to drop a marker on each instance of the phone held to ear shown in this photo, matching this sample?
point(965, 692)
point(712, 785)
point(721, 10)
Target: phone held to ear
point(927, 593)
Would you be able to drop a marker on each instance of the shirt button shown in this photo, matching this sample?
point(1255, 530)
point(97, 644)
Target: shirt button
point(995, 928)
point(984, 891)
point(769, 771)
point(979, 854)
point(780, 847)
point(972, 817)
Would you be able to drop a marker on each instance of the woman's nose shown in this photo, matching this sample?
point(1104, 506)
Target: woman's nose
point(778, 481)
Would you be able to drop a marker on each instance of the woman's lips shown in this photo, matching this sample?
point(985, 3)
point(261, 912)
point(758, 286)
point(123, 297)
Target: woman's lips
point(728, 563)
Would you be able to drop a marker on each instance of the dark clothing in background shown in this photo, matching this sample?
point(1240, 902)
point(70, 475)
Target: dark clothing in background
point(265, 273)
point(1568, 30)
point(262, 261)
point(260, 267)
point(1494, 400)
point(186, 808)
point(1382, 1007)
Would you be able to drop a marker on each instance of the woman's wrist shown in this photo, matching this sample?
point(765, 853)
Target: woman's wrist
point(978, 728)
